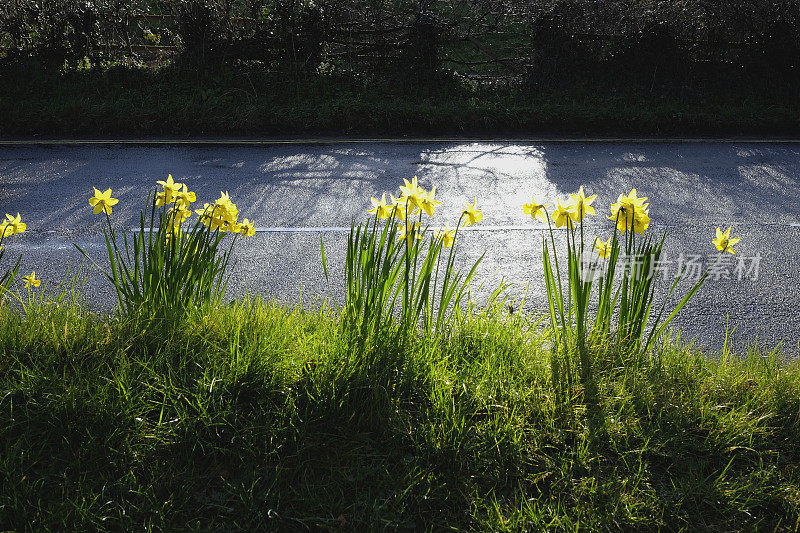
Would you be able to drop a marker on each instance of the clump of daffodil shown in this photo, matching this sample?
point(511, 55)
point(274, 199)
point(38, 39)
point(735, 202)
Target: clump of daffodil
point(31, 281)
point(447, 235)
point(170, 268)
point(631, 213)
point(102, 201)
point(397, 261)
point(472, 215)
point(536, 209)
point(622, 310)
point(724, 242)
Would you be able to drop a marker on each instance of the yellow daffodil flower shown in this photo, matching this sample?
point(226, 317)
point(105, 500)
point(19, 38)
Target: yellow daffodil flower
point(102, 201)
point(413, 192)
point(413, 232)
point(641, 221)
point(564, 215)
point(12, 226)
point(222, 215)
point(471, 214)
point(603, 247)
point(247, 228)
point(536, 210)
point(622, 216)
point(184, 198)
point(161, 199)
point(447, 235)
point(429, 202)
point(583, 205)
point(187, 195)
point(226, 211)
point(633, 199)
point(724, 242)
point(224, 198)
point(178, 215)
point(630, 213)
point(31, 281)
point(380, 209)
point(205, 211)
point(209, 216)
point(170, 189)
point(400, 208)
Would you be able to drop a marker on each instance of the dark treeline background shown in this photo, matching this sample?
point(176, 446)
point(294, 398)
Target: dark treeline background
point(651, 43)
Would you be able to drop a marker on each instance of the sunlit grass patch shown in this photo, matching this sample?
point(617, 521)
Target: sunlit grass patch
point(256, 415)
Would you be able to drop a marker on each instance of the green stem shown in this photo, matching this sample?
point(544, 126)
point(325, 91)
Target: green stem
point(558, 277)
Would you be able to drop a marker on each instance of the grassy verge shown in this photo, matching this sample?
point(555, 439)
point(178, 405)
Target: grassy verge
point(176, 100)
point(256, 416)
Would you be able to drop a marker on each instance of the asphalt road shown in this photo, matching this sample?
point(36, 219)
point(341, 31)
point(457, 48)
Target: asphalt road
point(299, 192)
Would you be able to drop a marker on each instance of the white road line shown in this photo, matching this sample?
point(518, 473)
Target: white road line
point(346, 229)
point(483, 228)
